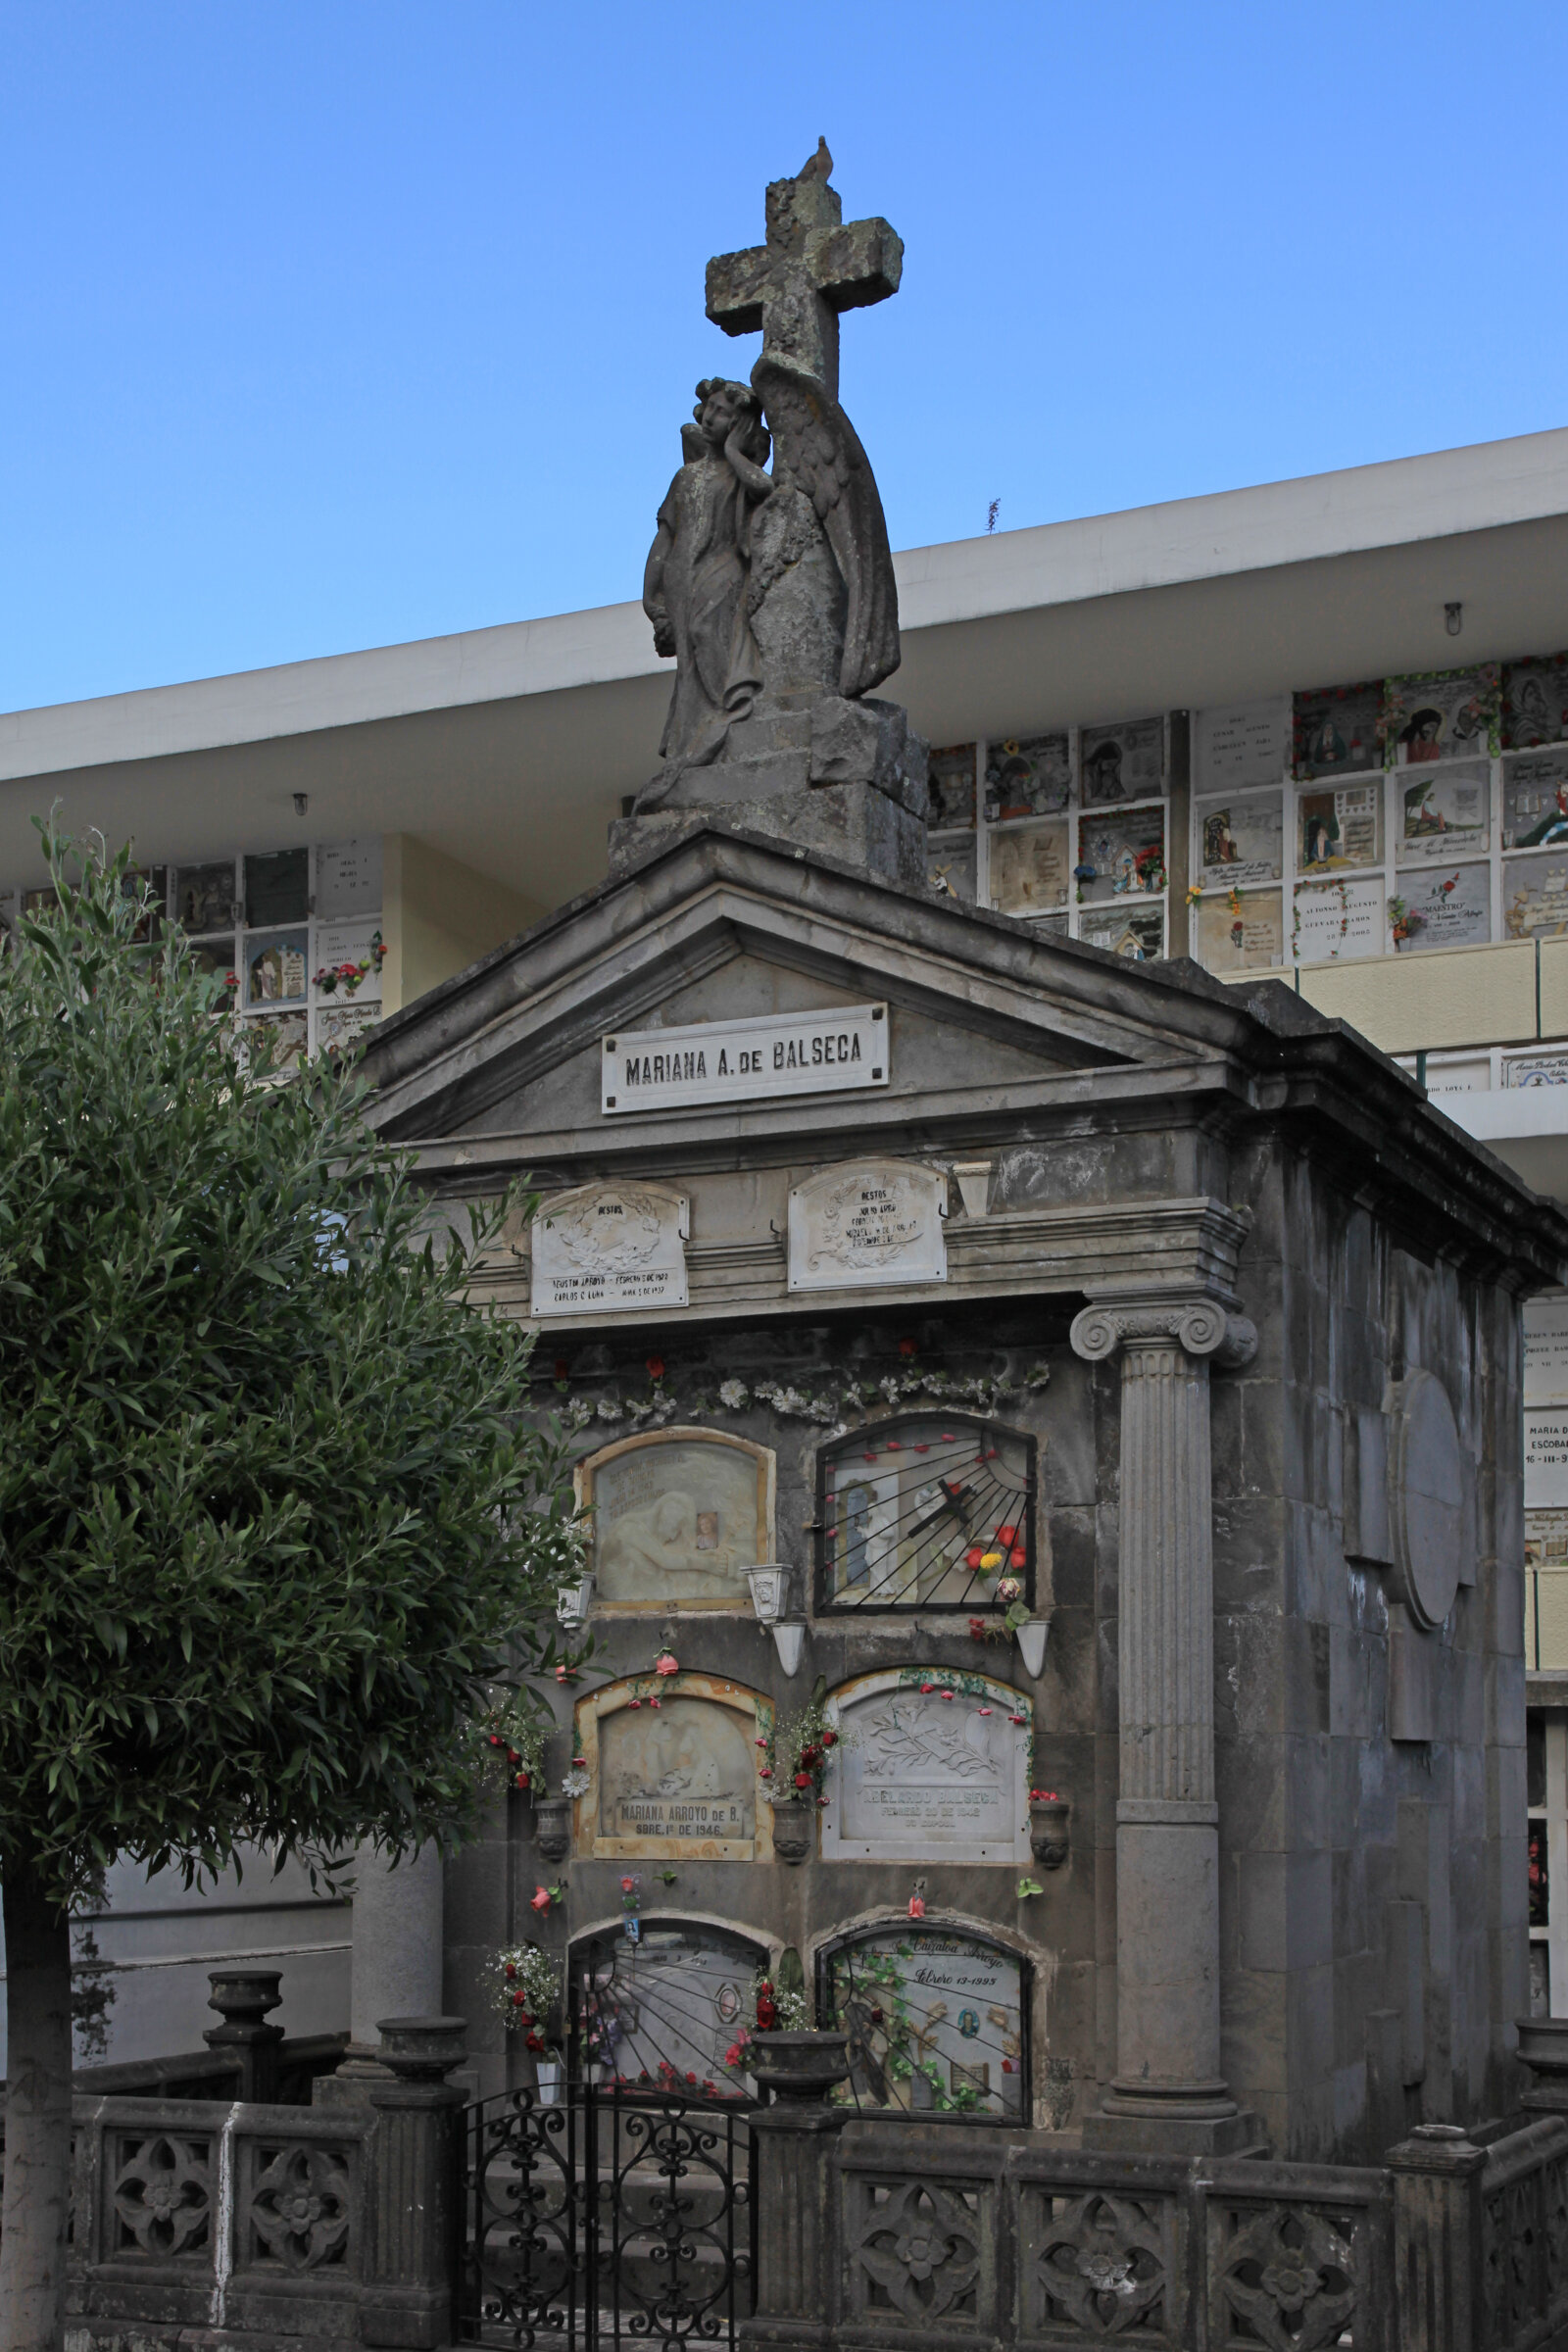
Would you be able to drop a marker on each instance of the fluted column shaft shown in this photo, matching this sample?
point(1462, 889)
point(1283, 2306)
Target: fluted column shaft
point(1168, 2090)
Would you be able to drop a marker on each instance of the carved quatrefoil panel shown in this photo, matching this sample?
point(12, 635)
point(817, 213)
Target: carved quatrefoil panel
point(300, 2207)
point(162, 2194)
point(916, 2249)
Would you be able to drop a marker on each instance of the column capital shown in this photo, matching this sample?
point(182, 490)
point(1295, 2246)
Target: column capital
point(1203, 1327)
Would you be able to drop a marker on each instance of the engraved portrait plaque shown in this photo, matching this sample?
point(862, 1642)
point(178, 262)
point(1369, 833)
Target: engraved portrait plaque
point(922, 1776)
point(680, 1780)
point(679, 1515)
point(876, 1221)
point(609, 1246)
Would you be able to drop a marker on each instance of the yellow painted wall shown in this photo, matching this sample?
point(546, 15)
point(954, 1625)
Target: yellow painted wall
point(1446, 998)
point(438, 916)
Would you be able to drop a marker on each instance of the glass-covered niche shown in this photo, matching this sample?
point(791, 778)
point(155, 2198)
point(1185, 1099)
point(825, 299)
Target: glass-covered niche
point(1066, 829)
point(931, 1511)
point(661, 2003)
point(937, 2020)
point(679, 1515)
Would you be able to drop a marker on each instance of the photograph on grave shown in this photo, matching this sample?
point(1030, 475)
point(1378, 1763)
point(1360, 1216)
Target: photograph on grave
point(1134, 931)
point(949, 869)
point(338, 1029)
point(677, 1515)
point(952, 789)
point(1241, 744)
point(1338, 920)
point(1238, 841)
point(1030, 868)
point(289, 1033)
point(936, 2019)
point(1336, 730)
point(1446, 813)
point(205, 898)
point(1450, 910)
point(348, 878)
point(933, 1766)
point(348, 960)
point(1340, 830)
point(1442, 715)
point(927, 1511)
point(1535, 800)
point(875, 1221)
point(276, 967)
point(278, 888)
point(1123, 762)
point(1242, 932)
point(1535, 701)
point(663, 2000)
point(615, 1246)
point(1545, 1335)
point(673, 1770)
point(1122, 855)
point(1535, 895)
point(1027, 775)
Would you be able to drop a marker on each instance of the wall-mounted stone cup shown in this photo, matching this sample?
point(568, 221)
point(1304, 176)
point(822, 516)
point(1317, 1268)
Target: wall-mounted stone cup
point(1047, 1831)
point(551, 1827)
point(794, 1828)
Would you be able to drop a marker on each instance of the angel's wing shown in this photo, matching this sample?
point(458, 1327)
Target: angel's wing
point(815, 442)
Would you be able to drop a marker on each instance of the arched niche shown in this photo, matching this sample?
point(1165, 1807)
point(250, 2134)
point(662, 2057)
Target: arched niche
point(667, 2006)
point(673, 1771)
point(678, 1517)
point(930, 1510)
point(937, 2016)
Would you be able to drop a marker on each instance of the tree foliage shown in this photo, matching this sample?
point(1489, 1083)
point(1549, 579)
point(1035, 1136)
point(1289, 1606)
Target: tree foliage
point(267, 1517)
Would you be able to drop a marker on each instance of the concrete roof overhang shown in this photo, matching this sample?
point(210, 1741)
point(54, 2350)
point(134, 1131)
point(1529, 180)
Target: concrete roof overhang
point(511, 748)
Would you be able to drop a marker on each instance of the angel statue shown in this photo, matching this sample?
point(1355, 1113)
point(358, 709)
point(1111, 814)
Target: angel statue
point(694, 586)
point(776, 592)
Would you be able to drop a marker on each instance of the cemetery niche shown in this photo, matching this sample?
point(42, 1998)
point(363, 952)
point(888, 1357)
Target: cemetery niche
point(933, 1766)
point(937, 2020)
point(666, 2003)
point(929, 1512)
point(678, 1517)
point(672, 1772)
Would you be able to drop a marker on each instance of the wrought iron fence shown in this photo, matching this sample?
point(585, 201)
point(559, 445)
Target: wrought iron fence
point(607, 2216)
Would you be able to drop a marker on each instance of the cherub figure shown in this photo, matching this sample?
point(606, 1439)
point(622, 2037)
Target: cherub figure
point(694, 586)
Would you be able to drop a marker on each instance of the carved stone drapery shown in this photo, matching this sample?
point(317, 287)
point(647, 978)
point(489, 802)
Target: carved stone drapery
point(1168, 2090)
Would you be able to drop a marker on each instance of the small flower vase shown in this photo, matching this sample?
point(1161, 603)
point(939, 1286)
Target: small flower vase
point(552, 1833)
point(794, 1823)
point(1047, 1831)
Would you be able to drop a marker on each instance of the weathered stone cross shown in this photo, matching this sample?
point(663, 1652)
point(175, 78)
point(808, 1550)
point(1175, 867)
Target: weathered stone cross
point(811, 268)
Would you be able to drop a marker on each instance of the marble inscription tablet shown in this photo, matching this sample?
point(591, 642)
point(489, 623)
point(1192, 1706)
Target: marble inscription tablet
point(1338, 920)
point(1446, 813)
point(609, 1245)
point(1545, 1329)
point(679, 1515)
point(1248, 937)
point(1239, 840)
point(828, 1051)
point(877, 1221)
point(1452, 909)
point(1030, 869)
point(1247, 743)
point(1546, 1456)
point(674, 1781)
point(924, 1778)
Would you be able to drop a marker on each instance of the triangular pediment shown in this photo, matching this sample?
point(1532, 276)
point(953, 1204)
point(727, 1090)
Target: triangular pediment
point(980, 1010)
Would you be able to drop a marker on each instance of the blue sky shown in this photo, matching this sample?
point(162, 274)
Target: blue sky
point(333, 324)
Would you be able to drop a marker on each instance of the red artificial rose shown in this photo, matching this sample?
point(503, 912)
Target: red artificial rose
point(1019, 1557)
point(803, 1780)
point(905, 1347)
point(1006, 1534)
point(655, 1368)
point(512, 1969)
point(830, 1738)
point(974, 1556)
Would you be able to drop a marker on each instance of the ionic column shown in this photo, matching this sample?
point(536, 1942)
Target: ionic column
point(1168, 2092)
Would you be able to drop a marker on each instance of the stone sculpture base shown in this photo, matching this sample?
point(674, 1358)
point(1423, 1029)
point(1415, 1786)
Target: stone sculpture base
point(845, 777)
point(1139, 2131)
point(854, 823)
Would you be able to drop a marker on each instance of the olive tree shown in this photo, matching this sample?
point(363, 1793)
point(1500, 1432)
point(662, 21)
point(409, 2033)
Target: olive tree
point(268, 1518)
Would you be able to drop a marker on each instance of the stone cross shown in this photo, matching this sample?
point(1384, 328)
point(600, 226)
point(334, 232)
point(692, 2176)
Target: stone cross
point(811, 268)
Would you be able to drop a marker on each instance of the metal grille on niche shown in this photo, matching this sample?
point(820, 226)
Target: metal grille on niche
point(930, 1511)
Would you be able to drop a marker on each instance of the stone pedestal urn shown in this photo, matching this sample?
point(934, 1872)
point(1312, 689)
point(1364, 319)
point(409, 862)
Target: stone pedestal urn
point(1049, 1841)
point(799, 2066)
point(794, 1828)
point(1543, 2048)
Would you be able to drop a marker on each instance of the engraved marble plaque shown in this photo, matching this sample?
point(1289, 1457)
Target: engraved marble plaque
point(1338, 920)
point(1545, 1328)
point(1452, 909)
point(922, 1777)
point(609, 1245)
point(1248, 743)
point(1547, 1458)
point(1239, 840)
point(1245, 937)
point(679, 1515)
point(1030, 869)
point(348, 944)
point(678, 1780)
point(876, 1221)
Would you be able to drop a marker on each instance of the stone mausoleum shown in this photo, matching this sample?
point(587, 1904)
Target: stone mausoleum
point(1119, 1371)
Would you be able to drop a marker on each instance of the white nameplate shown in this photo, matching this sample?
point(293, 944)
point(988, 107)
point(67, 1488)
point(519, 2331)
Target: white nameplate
point(609, 1245)
point(727, 1061)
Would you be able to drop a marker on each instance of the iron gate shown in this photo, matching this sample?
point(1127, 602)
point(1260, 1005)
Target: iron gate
point(611, 2215)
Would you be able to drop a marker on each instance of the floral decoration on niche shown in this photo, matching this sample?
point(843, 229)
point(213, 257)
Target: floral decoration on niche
point(797, 1753)
point(525, 1986)
point(349, 977)
point(829, 1405)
